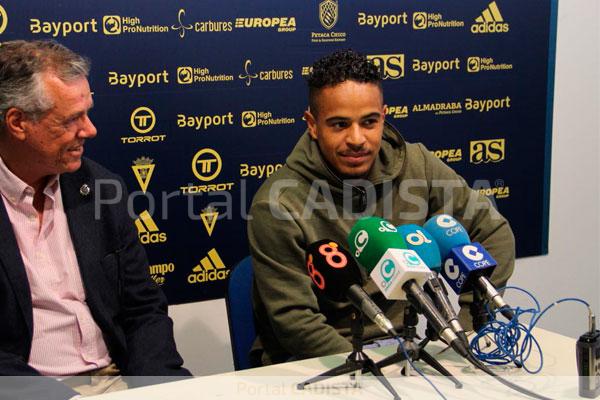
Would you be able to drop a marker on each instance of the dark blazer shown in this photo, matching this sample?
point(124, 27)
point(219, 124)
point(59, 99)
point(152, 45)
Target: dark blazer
point(127, 305)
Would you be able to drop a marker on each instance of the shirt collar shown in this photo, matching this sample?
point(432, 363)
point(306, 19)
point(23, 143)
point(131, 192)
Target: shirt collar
point(15, 190)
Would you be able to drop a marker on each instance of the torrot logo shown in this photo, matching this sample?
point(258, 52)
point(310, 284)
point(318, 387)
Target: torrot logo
point(445, 221)
point(3, 19)
point(211, 268)
point(185, 75)
point(328, 13)
point(147, 230)
point(142, 120)
point(472, 253)
point(360, 242)
point(451, 269)
point(143, 168)
point(490, 21)
point(206, 165)
point(111, 25)
point(420, 20)
point(485, 151)
point(390, 65)
point(417, 238)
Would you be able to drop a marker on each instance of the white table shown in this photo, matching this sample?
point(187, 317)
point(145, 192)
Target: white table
point(558, 379)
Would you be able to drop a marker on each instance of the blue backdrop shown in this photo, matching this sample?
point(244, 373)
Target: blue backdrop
point(197, 102)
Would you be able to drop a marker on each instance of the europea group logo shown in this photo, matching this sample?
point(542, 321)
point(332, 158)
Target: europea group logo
point(490, 21)
point(211, 268)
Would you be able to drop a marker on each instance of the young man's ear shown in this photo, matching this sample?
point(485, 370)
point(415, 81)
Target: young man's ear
point(311, 123)
point(15, 122)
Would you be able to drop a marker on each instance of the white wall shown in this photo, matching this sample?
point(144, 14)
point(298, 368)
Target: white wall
point(572, 267)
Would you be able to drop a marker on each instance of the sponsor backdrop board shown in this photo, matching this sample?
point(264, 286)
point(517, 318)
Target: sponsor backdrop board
point(197, 102)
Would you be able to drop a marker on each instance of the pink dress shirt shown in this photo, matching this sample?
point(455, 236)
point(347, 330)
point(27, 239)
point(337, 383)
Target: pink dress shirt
point(66, 339)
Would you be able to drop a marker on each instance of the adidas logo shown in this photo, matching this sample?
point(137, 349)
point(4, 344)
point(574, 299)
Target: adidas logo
point(210, 269)
point(490, 21)
point(147, 230)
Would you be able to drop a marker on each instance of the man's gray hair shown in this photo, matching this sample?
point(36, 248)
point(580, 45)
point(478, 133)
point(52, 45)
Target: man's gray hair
point(22, 64)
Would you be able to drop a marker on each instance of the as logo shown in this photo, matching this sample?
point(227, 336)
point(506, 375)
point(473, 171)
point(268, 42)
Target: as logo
point(143, 168)
point(452, 271)
point(206, 165)
point(3, 19)
point(328, 13)
point(142, 120)
point(490, 21)
point(473, 64)
point(147, 230)
point(211, 268)
point(185, 75)
point(209, 218)
point(420, 20)
point(485, 151)
point(111, 24)
point(249, 119)
point(390, 65)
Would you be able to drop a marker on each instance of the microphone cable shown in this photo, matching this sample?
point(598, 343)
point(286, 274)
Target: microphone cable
point(413, 366)
point(513, 340)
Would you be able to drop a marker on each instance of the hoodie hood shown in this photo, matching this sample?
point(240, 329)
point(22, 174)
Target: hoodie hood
point(307, 161)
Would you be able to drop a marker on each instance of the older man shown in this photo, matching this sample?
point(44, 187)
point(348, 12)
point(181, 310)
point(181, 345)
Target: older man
point(76, 297)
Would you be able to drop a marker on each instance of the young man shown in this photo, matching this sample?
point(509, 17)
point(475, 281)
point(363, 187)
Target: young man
point(349, 163)
point(76, 297)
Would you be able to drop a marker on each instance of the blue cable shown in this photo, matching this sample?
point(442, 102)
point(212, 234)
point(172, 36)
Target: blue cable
point(399, 340)
point(513, 339)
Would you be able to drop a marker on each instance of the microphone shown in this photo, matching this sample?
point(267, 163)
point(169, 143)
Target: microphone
point(399, 272)
point(467, 265)
point(334, 272)
point(419, 240)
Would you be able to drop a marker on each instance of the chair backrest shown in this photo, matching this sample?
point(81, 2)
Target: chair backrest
point(240, 314)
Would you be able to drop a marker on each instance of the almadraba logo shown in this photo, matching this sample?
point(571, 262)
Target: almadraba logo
point(211, 268)
point(3, 19)
point(490, 21)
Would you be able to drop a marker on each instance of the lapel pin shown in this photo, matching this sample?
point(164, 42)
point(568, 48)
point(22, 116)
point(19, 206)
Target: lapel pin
point(84, 189)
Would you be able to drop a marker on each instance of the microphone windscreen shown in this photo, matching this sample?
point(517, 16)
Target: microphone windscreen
point(370, 238)
point(332, 268)
point(419, 240)
point(447, 232)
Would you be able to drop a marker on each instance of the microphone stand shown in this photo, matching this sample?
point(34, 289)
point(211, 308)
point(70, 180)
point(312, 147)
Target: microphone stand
point(415, 351)
point(356, 361)
point(478, 311)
